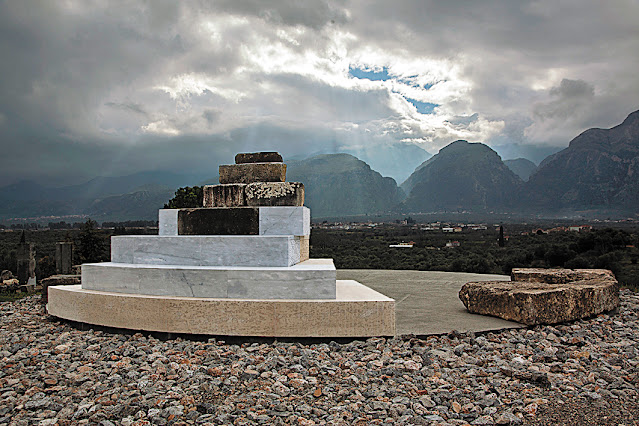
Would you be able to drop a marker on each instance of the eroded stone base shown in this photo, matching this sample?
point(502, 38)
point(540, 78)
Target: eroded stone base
point(544, 296)
point(357, 311)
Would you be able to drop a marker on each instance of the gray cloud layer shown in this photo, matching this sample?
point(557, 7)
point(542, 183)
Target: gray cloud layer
point(112, 87)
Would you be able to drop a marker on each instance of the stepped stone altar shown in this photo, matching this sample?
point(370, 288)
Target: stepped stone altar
point(239, 265)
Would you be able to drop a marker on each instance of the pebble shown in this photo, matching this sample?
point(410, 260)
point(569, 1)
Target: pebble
point(52, 373)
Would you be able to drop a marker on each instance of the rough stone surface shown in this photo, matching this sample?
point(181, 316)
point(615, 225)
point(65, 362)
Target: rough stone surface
point(252, 172)
point(219, 221)
point(258, 157)
point(584, 373)
point(558, 276)
point(6, 275)
point(271, 194)
point(58, 280)
point(228, 195)
point(549, 297)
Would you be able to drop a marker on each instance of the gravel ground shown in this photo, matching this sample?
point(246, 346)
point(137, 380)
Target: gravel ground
point(584, 372)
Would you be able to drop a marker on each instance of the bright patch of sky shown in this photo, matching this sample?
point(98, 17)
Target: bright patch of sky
point(423, 107)
point(372, 75)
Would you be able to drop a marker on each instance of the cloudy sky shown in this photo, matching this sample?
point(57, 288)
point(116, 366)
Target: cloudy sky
point(114, 87)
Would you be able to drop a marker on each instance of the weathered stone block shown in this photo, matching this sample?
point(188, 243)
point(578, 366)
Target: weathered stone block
point(26, 262)
point(6, 275)
point(270, 194)
point(544, 296)
point(252, 172)
point(64, 257)
point(258, 157)
point(57, 280)
point(219, 221)
point(228, 195)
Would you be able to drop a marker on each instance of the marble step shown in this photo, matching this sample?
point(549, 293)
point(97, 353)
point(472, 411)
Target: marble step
point(210, 250)
point(312, 279)
point(356, 311)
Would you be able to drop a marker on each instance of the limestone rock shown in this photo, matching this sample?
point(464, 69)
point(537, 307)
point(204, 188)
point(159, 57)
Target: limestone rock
point(558, 276)
point(275, 194)
point(258, 157)
point(544, 296)
point(219, 221)
point(228, 195)
point(252, 172)
point(6, 275)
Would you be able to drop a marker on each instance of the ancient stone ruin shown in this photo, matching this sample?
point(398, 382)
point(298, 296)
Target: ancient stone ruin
point(25, 255)
point(239, 265)
point(64, 257)
point(544, 296)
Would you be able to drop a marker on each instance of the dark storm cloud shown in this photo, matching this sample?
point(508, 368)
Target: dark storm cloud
point(115, 87)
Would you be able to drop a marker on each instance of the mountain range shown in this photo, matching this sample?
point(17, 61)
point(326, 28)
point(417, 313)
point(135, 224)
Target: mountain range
point(599, 169)
point(462, 176)
point(596, 172)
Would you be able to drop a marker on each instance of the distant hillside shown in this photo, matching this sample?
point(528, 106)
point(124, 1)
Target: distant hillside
point(599, 169)
point(340, 184)
point(466, 176)
point(107, 197)
point(397, 161)
point(140, 205)
point(521, 167)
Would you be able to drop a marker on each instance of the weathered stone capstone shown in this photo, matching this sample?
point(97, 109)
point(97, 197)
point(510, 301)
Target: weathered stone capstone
point(258, 157)
point(544, 296)
point(252, 172)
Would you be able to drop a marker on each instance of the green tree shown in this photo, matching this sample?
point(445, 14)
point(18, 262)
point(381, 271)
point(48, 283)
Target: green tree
point(91, 247)
point(187, 197)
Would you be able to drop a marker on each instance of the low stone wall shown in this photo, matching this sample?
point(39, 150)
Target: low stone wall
point(544, 296)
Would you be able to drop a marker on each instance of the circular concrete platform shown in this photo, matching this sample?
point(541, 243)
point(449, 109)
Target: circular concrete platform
point(427, 302)
point(357, 311)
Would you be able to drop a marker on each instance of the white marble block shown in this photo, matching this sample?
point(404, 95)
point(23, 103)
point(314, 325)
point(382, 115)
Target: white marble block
point(209, 250)
point(312, 279)
point(285, 221)
point(167, 222)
